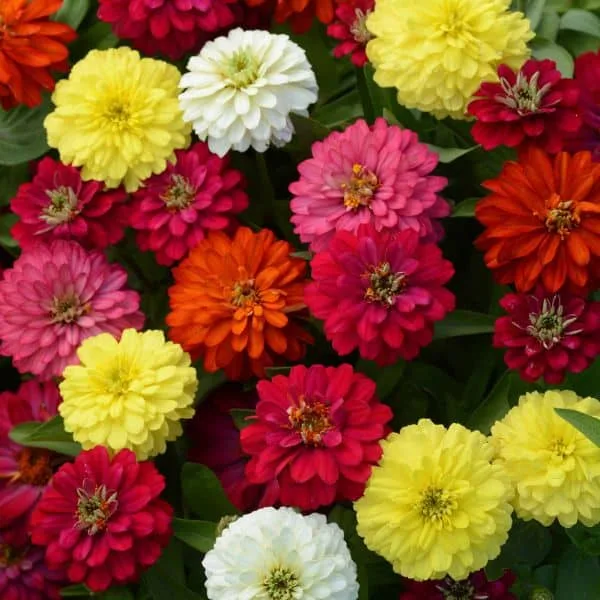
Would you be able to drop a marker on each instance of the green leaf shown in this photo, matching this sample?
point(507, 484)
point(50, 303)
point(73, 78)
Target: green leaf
point(447, 155)
point(72, 12)
point(586, 424)
point(386, 378)
point(464, 322)
point(578, 576)
point(75, 591)
point(116, 593)
point(200, 535)
point(99, 36)
point(582, 21)
point(203, 493)
point(22, 134)
point(304, 255)
point(533, 11)
point(465, 208)
point(6, 222)
point(10, 180)
point(240, 417)
point(585, 538)
point(50, 435)
point(577, 43)
point(549, 25)
point(545, 49)
point(272, 371)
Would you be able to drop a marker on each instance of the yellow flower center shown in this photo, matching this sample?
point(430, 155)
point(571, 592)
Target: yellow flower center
point(436, 505)
point(310, 420)
point(384, 284)
point(360, 188)
point(95, 508)
point(453, 25)
point(244, 294)
point(180, 194)
point(281, 584)
point(242, 69)
point(560, 448)
point(118, 114)
point(561, 216)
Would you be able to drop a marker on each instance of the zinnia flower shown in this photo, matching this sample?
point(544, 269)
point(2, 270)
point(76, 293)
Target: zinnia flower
point(299, 13)
point(117, 116)
point(532, 104)
point(57, 204)
point(316, 434)
point(438, 52)
point(103, 518)
point(54, 297)
point(379, 174)
point(548, 334)
point(379, 292)
point(237, 303)
point(474, 587)
point(554, 467)
point(23, 574)
point(173, 211)
point(24, 472)
point(436, 505)
point(278, 553)
point(241, 89)
point(215, 442)
point(130, 393)
point(31, 48)
point(350, 26)
point(542, 221)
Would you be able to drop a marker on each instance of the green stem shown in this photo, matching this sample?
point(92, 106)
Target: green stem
point(365, 96)
point(266, 187)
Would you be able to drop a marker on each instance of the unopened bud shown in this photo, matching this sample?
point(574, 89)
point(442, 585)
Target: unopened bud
point(541, 593)
point(226, 521)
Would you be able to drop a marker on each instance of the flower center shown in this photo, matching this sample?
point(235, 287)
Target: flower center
point(180, 194)
point(35, 466)
point(549, 325)
point(459, 590)
point(436, 505)
point(358, 29)
point(281, 584)
point(118, 114)
point(62, 207)
point(311, 421)
point(94, 509)
point(524, 96)
point(560, 448)
point(244, 294)
point(10, 556)
point(360, 189)
point(68, 309)
point(561, 216)
point(384, 285)
point(242, 69)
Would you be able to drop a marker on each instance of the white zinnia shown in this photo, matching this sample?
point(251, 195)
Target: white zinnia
point(241, 89)
point(278, 554)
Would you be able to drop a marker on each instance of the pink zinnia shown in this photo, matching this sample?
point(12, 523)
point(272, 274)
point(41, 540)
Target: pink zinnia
point(316, 434)
point(380, 292)
point(58, 204)
point(534, 104)
point(24, 472)
point(547, 335)
point(53, 298)
point(215, 442)
point(378, 174)
point(174, 210)
point(103, 518)
point(349, 26)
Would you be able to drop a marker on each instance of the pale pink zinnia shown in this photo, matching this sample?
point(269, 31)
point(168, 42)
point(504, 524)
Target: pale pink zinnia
point(53, 298)
point(175, 210)
point(379, 175)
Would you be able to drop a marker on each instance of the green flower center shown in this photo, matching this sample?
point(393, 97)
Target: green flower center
point(358, 29)
point(62, 207)
point(242, 69)
point(524, 96)
point(10, 556)
point(281, 584)
point(67, 309)
point(180, 194)
point(95, 508)
point(360, 188)
point(383, 284)
point(436, 505)
point(459, 590)
point(550, 324)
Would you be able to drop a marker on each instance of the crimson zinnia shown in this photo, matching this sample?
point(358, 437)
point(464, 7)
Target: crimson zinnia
point(316, 434)
point(350, 27)
point(542, 221)
point(103, 518)
point(31, 47)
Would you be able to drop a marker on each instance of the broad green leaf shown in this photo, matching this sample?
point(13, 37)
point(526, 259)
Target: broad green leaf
point(97, 37)
point(240, 417)
point(588, 425)
point(7, 220)
point(465, 208)
point(204, 494)
point(447, 155)
point(577, 43)
point(304, 255)
point(116, 593)
point(545, 49)
point(72, 12)
point(50, 435)
point(549, 25)
point(386, 378)
point(533, 11)
point(75, 591)
point(464, 322)
point(586, 538)
point(200, 535)
point(10, 180)
point(582, 21)
point(22, 133)
point(578, 576)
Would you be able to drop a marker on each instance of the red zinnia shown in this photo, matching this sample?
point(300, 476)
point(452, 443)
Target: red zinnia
point(31, 47)
point(316, 434)
point(350, 27)
point(380, 292)
point(174, 210)
point(58, 204)
point(542, 221)
point(532, 104)
point(548, 334)
point(103, 518)
point(216, 443)
point(300, 13)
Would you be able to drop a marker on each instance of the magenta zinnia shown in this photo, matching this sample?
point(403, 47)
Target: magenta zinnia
point(103, 518)
point(380, 292)
point(547, 335)
point(350, 27)
point(173, 211)
point(58, 204)
point(316, 435)
point(53, 298)
point(379, 174)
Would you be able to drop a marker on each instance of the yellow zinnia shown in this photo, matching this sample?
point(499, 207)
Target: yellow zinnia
point(435, 505)
point(130, 393)
point(118, 117)
point(438, 52)
point(555, 468)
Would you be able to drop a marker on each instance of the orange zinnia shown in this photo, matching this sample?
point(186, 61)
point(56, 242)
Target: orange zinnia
point(237, 302)
point(542, 221)
point(30, 47)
